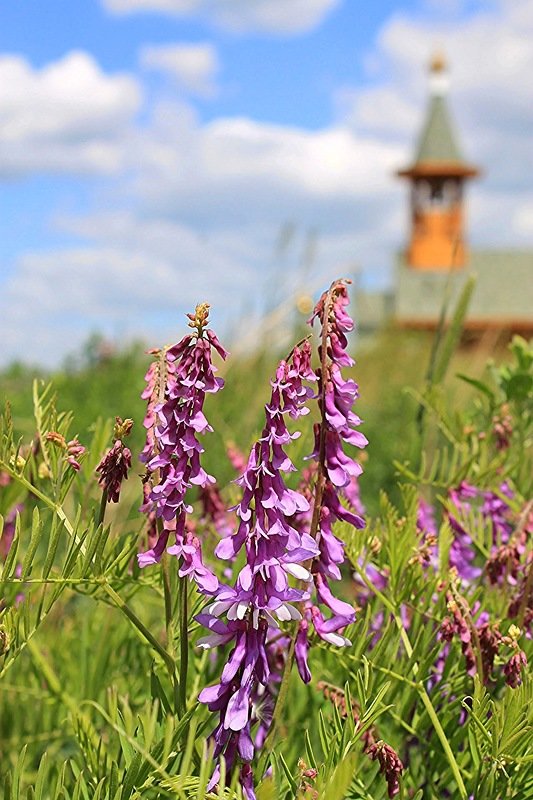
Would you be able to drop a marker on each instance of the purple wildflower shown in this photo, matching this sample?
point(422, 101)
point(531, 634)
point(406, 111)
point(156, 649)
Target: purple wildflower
point(497, 510)
point(352, 494)
point(462, 553)
point(301, 650)
point(337, 472)
point(73, 449)
point(246, 779)
point(275, 550)
point(150, 533)
point(176, 391)
point(493, 508)
point(427, 553)
point(8, 532)
point(426, 518)
point(159, 381)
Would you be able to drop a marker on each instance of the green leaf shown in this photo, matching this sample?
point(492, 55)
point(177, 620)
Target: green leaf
point(288, 773)
point(130, 777)
point(453, 334)
point(477, 384)
point(36, 532)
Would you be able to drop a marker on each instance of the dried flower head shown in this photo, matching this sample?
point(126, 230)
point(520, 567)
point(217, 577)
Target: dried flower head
point(56, 439)
point(513, 669)
point(122, 428)
point(390, 765)
point(113, 469)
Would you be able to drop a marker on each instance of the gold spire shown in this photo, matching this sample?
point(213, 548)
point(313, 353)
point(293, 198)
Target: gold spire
point(438, 74)
point(438, 63)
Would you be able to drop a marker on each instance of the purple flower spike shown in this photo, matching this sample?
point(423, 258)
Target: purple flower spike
point(262, 595)
point(177, 384)
point(337, 471)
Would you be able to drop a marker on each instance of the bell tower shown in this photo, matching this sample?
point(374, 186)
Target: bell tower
point(437, 177)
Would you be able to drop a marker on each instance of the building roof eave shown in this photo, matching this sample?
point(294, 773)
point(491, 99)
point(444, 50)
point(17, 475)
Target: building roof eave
point(437, 169)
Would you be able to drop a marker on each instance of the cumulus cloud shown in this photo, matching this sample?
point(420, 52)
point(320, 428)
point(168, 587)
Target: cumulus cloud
point(268, 16)
point(208, 207)
point(234, 171)
point(68, 116)
point(132, 281)
point(193, 68)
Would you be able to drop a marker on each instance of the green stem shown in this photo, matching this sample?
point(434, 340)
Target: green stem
point(179, 706)
point(282, 696)
point(184, 642)
point(443, 740)
point(167, 593)
point(141, 627)
point(102, 509)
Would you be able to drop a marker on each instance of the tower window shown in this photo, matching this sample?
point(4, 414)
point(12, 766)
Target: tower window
point(437, 194)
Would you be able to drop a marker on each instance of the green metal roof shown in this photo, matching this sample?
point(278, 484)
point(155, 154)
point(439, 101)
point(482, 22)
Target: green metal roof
point(437, 141)
point(502, 292)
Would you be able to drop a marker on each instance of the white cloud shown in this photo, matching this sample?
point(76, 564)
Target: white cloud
point(522, 220)
point(208, 207)
point(66, 116)
point(268, 16)
point(193, 68)
point(206, 201)
point(134, 281)
point(236, 171)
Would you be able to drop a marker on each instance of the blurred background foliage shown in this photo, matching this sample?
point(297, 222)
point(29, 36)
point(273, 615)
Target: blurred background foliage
point(101, 382)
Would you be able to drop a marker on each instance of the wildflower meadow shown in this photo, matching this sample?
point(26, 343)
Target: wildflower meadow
point(193, 605)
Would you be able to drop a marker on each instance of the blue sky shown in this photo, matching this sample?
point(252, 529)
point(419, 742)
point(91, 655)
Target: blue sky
point(151, 151)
